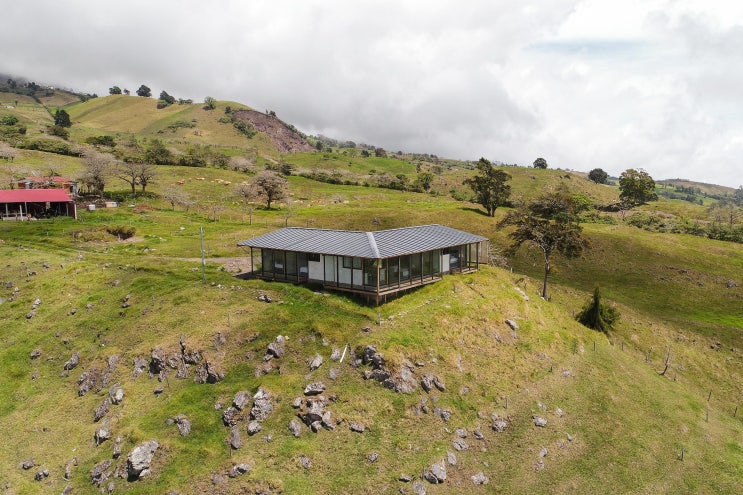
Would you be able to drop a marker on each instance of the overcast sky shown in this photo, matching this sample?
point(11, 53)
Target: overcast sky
point(653, 84)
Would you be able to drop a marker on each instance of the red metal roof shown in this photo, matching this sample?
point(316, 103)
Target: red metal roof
point(34, 196)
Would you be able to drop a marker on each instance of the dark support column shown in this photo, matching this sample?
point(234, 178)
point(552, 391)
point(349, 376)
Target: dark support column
point(378, 263)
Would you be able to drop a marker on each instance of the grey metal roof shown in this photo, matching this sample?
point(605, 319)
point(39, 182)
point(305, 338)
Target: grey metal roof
point(375, 245)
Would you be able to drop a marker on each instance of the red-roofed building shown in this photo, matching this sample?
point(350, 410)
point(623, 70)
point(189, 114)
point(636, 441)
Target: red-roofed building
point(25, 204)
point(68, 185)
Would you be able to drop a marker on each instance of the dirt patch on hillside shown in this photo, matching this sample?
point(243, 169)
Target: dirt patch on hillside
point(285, 138)
point(236, 265)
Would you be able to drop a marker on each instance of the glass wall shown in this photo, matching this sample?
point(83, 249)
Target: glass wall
point(368, 274)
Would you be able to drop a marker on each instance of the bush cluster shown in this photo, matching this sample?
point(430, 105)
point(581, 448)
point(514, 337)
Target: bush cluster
point(121, 231)
point(50, 146)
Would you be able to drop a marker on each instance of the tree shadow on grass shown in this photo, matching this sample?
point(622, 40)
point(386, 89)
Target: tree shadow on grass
point(474, 210)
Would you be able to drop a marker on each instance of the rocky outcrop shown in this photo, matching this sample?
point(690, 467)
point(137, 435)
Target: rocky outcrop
point(262, 405)
point(285, 138)
point(208, 372)
point(235, 440)
point(436, 474)
point(72, 363)
point(276, 349)
point(140, 458)
point(401, 380)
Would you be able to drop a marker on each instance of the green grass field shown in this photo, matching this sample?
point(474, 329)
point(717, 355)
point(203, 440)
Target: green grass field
point(614, 422)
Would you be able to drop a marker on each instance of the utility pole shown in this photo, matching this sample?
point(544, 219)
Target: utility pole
point(203, 262)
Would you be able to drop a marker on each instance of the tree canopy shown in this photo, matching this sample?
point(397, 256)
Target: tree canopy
point(210, 103)
point(540, 163)
point(144, 91)
point(549, 223)
point(489, 186)
point(598, 176)
point(158, 153)
point(96, 171)
point(62, 118)
point(271, 185)
point(164, 96)
point(115, 90)
point(636, 187)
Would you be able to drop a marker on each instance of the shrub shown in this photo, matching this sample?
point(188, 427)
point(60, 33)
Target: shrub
point(8, 120)
point(59, 131)
point(178, 124)
point(244, 128)
point(597, 315)
point(121, 231)
point(101, 141)
point(50, 146)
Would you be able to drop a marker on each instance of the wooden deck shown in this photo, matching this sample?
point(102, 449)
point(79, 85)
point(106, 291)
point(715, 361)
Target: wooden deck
point(370, 293)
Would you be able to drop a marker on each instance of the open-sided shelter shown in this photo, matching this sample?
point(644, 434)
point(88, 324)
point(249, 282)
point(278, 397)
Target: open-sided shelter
point(374, 264)
point(25, 204)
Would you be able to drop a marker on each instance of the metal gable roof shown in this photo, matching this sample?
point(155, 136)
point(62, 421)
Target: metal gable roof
point(375, 245)
point(34, 196)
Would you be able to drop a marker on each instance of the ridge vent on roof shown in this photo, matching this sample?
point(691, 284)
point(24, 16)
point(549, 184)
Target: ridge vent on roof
point(373, 244)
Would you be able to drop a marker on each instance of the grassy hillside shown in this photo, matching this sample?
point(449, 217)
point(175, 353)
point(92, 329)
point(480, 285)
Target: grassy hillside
point(613, 419)
point(122, 115)
point(628, 424)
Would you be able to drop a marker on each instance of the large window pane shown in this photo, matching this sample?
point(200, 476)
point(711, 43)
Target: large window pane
point(267, 260)
point(330, 268)
point(393, 270)
point(415, 265)
point(370, 273)
point(302, 265)
point(291, 264)
point(405, 267)
point(426, 264)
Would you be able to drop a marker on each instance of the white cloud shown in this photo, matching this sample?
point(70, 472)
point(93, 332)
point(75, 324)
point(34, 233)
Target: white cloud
point(652, 84)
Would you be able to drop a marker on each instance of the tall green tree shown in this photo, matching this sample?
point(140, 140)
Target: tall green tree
point(424, 180)
point(115, 90)
point(598, 176)
point(548, 223)
point(540, 163)
point(62, 118)
point(490, 186)
point(164, 96)
point(738, 196)
point(636, 187)
point(210, 103)
point(158, 153)
point(144, 91)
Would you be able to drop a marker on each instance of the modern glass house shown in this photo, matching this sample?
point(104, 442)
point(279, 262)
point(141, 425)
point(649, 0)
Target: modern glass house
point(374, 264)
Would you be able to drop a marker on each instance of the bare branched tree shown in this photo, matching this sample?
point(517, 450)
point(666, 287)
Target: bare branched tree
point(176, 196)
point(7, 152)
point(98, 168)
point(271, 186)
point(248, 193)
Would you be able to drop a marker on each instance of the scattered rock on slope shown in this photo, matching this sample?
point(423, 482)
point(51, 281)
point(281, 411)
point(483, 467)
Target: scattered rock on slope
point(139, 459)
